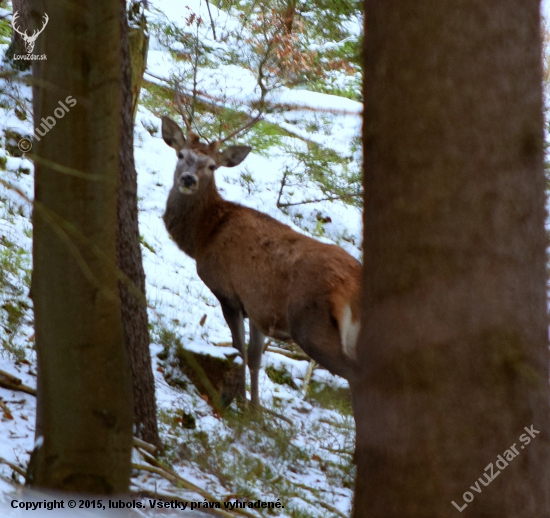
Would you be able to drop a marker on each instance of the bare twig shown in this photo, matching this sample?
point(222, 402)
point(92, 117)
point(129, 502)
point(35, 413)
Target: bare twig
point(6, 74)
point(211, 20)
point(243, 128)
point(204, 98)
point(188, 121)
point(195, 71)
point(177, 95)
point(283, 183)
point(309, 373)
point(218, 103)
point(328, 198)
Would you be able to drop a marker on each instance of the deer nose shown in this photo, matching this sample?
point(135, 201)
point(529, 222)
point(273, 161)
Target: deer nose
point(188, 180)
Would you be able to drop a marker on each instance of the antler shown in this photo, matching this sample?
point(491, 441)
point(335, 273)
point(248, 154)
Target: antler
point(37, 32)
point(247, 125)
point(14, 18)
point(177, 95)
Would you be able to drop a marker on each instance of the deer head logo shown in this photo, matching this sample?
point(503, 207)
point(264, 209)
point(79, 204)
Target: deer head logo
point(29, 40)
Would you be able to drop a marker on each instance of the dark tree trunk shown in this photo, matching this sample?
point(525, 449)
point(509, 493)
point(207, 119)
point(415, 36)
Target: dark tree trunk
point(84, 416)
point(454, 329)
point(129, 260)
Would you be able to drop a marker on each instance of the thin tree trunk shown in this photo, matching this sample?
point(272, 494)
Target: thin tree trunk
point(129, 258)
point(454, 329)
point(138, 42)
point(84, 417)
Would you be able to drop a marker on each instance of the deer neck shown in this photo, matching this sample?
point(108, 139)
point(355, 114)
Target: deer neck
point(188, 218)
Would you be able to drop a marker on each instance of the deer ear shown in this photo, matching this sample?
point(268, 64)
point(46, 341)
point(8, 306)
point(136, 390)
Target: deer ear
point(172, 134)
point(233, 155)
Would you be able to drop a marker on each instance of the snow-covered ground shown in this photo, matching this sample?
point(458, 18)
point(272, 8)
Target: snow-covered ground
point(312, 474)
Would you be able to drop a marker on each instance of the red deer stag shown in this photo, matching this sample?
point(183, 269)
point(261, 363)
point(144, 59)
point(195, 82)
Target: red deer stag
point(290, 286)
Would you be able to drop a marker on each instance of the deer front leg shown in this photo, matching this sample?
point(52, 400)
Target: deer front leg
point(255, 351)
point(235, 321)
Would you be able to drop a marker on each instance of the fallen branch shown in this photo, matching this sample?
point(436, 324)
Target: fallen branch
point(342, 426)
point(272, 349)
point(10, 382)
point(10, 377)
point(164, 474)
point(337, 450)
point(4, 407)
point(13, 466)
point(288, 354)
point(172, 496)
point(150, 448)
point(175, 479)
point(275, 414)
point(328, 507)
point(315, 492)
point(169, 474)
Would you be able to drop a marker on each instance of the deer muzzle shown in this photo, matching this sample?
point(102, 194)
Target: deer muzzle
point(188, 183)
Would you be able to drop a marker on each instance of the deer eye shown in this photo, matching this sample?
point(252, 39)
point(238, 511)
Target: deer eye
point(180, 155)
point(212, 167)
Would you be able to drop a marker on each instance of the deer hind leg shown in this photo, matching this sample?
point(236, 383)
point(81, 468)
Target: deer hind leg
point(255, 351)
point(235, 322)
point(314, 328)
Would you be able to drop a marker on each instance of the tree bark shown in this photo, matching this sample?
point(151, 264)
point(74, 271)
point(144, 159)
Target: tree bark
point(129, 258)
point(17, 45)
point(84, 417)
point(454, 324)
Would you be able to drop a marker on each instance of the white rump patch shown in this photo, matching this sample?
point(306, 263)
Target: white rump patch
point(349, 331)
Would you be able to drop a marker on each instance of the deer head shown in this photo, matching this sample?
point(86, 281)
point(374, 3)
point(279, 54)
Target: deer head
point(29, 40)
point(197, 160)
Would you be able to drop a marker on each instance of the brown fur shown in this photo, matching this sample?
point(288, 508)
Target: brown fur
point(287, 284)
